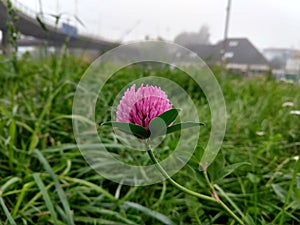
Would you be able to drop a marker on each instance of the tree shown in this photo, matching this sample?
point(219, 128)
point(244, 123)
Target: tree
point(200, 37)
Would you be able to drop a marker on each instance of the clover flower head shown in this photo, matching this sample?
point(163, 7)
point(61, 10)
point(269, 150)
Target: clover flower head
point(142, 105)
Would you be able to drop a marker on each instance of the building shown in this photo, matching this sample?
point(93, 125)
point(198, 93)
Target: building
point(285, 63)
point(240, 56)
point(292, 68)
point(278, 57)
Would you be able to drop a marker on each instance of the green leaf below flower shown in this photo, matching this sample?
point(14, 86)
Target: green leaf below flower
point(157, 127)
point(168, 116)
point(182, 126)
point(129, 128)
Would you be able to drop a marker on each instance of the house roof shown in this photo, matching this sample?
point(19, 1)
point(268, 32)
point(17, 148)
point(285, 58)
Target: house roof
point(237, 51)
point(206, 52)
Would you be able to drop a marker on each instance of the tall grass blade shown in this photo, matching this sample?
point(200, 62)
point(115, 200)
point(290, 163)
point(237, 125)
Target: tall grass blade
point(160, 217)
point(21, 196)
point(290, 190)
point(229, 200)
point(34, 138)
point(60, 192)
point(46, 197)
point(91, 186)
point(7, 213)
point(8, 183)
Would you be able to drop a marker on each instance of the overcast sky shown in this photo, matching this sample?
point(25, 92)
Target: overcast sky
point(267, 23)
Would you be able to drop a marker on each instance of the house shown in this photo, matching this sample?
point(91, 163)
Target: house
point(292, 68)
point(278, 57)
point(240, 55)
point(285, 63)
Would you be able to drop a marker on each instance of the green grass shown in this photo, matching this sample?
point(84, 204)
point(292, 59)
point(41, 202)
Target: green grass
point(45, 180)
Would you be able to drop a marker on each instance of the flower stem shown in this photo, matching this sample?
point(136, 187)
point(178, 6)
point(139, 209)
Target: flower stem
point(211, 186)
point(180, 187)
point(188, 191)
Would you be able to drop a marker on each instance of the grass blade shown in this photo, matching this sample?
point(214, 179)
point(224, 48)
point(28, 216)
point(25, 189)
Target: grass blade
point(46, 197)
point(7, 213)
point(91, 186)
point(229, 200)
point(290, 190)
point(162, 218)
point(25, 188)
point(59, 190)
point(34, 138)
point(8, 183)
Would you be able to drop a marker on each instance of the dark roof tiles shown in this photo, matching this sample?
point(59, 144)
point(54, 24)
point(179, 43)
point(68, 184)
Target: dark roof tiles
point(237, 51)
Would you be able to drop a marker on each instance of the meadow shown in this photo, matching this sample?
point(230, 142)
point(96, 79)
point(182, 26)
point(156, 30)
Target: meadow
point(44, 178)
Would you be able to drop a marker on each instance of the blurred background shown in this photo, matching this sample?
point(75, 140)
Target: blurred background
point(268, 23)
point(254, 36)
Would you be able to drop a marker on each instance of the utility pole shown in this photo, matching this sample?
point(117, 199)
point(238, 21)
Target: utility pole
point(226, 31)
point(76, 13)
point(5, 42)
point(57, 7)
point(41, 9)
